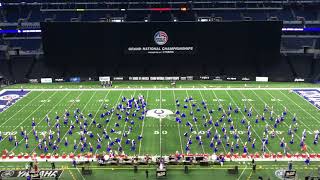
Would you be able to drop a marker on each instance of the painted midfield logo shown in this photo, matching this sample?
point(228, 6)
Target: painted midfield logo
point(161, 38)
point(159, 113)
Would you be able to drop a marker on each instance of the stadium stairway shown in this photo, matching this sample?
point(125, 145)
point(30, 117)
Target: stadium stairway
point(19, 68)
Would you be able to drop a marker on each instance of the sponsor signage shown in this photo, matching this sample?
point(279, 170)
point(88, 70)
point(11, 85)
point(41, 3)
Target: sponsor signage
point(311, 95)
point(46, 80)
point(245, 79)
point(33, 80)
point(104, 78)
point(189, 78)
point(298, 80)
point(217, 78)
point(23, 174)
point(139, 78)
point(118, 78)
point(204, 77)
point(75, 79)
point(171, 78)
point(231, 78)
point(262, 79)
point(133, 78)
point(59, 80)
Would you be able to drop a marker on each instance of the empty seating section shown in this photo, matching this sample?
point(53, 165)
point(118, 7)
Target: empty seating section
point(24, 44)
point(300, 66)
point(296, 43)
point(21, 68)
point(94, 12)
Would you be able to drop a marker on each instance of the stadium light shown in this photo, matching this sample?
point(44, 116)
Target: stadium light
point(175, 19)
point(0, 4)
point(183, 9)
point(117, 19)
point(204, 19)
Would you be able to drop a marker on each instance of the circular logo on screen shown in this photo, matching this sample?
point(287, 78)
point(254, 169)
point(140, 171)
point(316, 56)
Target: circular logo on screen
point(9, 97)
point(161, 38)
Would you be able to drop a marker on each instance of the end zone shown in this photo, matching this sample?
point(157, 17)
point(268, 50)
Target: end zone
point(310, 95)
point(10, 97)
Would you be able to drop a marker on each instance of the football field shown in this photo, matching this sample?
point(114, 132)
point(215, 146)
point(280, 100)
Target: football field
point(162, 130)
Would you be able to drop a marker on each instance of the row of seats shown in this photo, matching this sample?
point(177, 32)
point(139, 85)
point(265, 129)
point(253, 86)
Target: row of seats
point(14, 14)
point(287, 68)
point(286, 43)
point(159, 1)
point(297, 43)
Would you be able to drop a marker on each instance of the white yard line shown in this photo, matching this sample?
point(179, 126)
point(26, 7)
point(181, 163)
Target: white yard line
point(3, 90)
point(289, 111)
point(82, 110)
point(283, 121)
point(17, 126)
point(41, 119)
point(259, 114)
point(195, 122)
point(245, 116)
point(210, 116)
point(143, 122)
point(80, 174)
point(174, 99)
point(126, 122)
point(307, 100)
point(218, 100)
point(163, 89)
point(93, 116)
point(300, 106)
point(115, 107)
point(160, 132)
point(25, 106)
point(242, 173)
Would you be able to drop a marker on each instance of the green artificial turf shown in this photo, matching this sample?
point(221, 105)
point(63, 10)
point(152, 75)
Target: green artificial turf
point(165, 136)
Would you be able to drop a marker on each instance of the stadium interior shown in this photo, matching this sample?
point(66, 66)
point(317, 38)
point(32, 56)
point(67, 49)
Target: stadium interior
point(121, 68)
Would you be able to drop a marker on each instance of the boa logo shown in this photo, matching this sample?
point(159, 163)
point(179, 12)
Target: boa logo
point(9, 97)
point(159, 113)
point(161, 38)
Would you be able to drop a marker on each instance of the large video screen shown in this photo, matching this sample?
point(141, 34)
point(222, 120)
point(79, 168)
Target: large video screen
point(189, 44)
